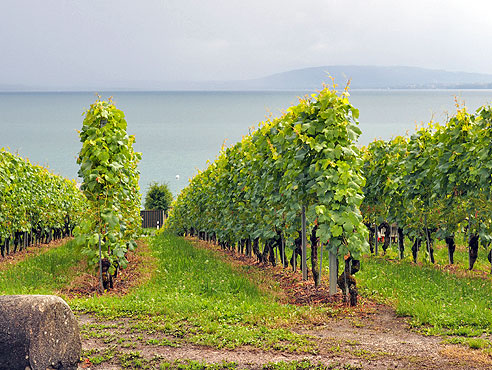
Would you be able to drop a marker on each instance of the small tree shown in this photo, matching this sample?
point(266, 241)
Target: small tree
point(158, 197)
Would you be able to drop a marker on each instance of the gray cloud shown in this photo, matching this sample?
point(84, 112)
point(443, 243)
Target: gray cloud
point(74, 42)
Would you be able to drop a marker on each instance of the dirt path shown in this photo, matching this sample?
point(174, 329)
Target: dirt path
point(377, 341)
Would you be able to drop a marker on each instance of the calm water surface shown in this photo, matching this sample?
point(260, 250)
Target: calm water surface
point(177, 132)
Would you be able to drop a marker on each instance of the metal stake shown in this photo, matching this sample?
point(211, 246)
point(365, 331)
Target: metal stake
point(100, 266)
point(304, 247)
point(333, 273)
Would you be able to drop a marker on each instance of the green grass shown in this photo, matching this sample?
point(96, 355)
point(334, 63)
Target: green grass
point(195, 365)
point(450, 304)
point(473, 343)
point(192, 296)
point(438, 301)
point(195, 297)
point(282, 365)
point(41, 274)
point(307, 364)
point(134, 360)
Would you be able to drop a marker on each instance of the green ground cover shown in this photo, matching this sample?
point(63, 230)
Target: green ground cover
point(41, 274)
point(195, 297)
point(134, 360)
point(437, 300)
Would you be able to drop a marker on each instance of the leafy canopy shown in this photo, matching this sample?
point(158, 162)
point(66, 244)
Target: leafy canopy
point(158, 197)
point(108, 167)
point(256, 188)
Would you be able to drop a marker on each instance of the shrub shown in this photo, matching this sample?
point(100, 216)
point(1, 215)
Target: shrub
point(158, 197)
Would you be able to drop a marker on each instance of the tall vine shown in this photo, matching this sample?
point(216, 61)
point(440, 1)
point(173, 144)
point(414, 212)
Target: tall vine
point(108, 167)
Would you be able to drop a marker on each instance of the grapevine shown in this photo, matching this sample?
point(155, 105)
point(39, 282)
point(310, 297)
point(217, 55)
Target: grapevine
point(35, 205)
point(255, 190)
point(108, 167)
point(435, 183)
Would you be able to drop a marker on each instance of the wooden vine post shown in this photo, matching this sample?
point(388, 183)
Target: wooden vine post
point(282, 256)
point(101, 283)
point(294, 260)
point(427, 240)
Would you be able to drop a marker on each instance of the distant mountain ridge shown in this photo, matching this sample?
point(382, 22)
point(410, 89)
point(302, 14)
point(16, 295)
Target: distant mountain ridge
point(305, 79)
point(370, 77)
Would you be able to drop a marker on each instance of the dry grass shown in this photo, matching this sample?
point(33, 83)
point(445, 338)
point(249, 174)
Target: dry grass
point(467, 355)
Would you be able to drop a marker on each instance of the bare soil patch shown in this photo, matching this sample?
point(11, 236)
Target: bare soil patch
point(378, 341)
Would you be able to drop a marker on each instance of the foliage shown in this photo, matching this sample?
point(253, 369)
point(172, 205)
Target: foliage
point(34, 199)
point(108, 166)
point(383, 191)
point(158, 197)
point(439, 179)
point(256, 188)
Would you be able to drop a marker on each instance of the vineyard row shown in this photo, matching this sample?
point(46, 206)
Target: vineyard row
point(433, 184)
point(36, 206)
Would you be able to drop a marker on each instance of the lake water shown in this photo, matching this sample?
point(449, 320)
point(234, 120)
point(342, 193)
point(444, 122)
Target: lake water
point(177, 132)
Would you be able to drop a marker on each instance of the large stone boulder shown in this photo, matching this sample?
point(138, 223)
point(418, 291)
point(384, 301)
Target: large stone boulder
point(38, 332)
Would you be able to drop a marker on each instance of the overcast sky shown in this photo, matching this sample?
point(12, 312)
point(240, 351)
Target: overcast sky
point(74, 42)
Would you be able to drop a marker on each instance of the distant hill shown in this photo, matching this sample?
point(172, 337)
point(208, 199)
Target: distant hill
point(361, 77)
point(370, 77)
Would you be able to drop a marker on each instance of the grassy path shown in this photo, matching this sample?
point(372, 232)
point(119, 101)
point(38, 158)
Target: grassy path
point(197, 309)
point(44, 272)
point(204, 300)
